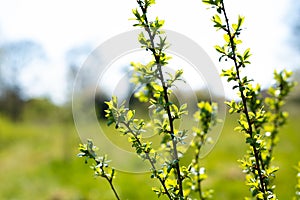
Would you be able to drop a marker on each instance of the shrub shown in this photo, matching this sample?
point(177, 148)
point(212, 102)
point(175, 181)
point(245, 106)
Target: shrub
point(260, 117)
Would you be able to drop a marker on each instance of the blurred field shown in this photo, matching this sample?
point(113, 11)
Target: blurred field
point(38, 161)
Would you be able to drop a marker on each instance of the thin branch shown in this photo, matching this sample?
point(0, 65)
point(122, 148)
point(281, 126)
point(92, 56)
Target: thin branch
point(112, 187)
point(244, 100)
point(198, 173)
point(162, 181)
point(166, 98)
point(109, 179)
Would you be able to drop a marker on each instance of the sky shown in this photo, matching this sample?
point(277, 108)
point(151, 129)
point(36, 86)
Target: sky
point(62, 25)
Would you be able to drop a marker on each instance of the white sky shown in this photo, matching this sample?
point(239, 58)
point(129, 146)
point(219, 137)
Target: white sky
point(60, 25)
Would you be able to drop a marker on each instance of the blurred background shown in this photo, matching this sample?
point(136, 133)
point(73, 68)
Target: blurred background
point(43, 44)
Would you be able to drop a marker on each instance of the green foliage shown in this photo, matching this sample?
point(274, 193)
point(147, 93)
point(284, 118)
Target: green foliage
point(101, 167)
point(45, 152)
point(276, 117)
point(260, 119)
point(176, 180)
point(206, 116)
point(297, 193)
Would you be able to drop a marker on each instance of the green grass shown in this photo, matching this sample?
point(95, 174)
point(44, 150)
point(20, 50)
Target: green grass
point(38, 161)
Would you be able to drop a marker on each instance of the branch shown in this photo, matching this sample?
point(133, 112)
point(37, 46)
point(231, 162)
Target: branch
point(162, 181)
point(244, 100)
point(166, 98)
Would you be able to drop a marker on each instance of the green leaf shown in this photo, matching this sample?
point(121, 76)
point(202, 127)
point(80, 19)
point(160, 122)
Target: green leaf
point(240, 21)
point(226, 38)
point(220, 49)
point(136, 14)
point(149, 2)
point(178, 74)
point(247, 54)
point(212, 2)
point(130, 115)
point(238, 129)
point(158, 88)
point(218, 22)
point(217, 19)
point(235, 27)
point(143, 40)
point(183, 107)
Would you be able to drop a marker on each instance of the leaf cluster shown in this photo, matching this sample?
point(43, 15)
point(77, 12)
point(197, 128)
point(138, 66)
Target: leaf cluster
point(297, 193)
point(155, 88)
point(206, 117)
point(101, 164)
point(260, 118)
